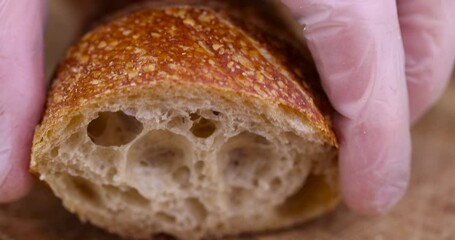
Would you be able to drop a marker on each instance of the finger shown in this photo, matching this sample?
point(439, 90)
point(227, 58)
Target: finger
point(428, 29)
point(359, 54)
point(21, 90)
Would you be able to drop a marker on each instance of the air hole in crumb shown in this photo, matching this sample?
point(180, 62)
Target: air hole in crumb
point(263, 171)
point(176, 122)
point(111, 173)
point(315, 192)
point(199, 166)
point(163, 236)
point(276, 183)
point(134, 197)
point(158, 150)
point(113, 129)
point(202, 127)
point(74, 139)
point(160, 157)
point(246, 157)
point(49, 133)
point(181, 175)
point(74, 122)
point(219, 226)
point(197, 209)
point(54, 152)
point(85, 189)
point(256, 182)
point(165, 217)
point(260, 140)
point(239, 164)
point(239, 197)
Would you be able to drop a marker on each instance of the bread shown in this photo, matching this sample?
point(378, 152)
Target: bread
point(184, 119)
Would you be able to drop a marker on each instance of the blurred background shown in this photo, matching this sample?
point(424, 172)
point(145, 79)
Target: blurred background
point(426, 212)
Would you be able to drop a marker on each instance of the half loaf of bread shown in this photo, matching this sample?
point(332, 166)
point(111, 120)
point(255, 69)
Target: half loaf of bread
point(194, 120)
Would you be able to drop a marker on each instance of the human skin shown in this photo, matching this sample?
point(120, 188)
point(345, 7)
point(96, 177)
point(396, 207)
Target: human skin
point(382, 65)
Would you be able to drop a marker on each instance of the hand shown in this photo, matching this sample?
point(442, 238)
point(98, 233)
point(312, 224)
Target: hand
point(22, 85)
point(22, 90)
point(382, 65)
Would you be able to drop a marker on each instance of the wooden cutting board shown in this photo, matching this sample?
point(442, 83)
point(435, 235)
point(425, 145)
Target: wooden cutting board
point(426, 212)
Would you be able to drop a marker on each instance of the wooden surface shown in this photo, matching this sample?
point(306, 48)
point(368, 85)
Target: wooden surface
point(426, 212)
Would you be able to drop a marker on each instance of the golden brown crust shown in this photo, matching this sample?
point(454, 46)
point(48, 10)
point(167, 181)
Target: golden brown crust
point(185, 45)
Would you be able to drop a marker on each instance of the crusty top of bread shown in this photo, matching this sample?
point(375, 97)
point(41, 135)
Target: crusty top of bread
point(265, 68)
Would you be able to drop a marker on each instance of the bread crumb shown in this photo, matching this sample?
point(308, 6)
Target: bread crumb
point(216, 46)
point(189, 21)
point(95, 82)
point(132, 74)
point(102, 44)
point(149, 68)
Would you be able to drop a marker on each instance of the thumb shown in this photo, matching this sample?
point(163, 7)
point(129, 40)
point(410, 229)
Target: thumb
point(22, 90)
